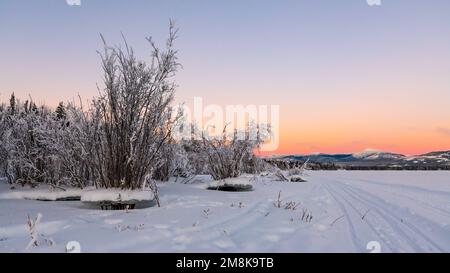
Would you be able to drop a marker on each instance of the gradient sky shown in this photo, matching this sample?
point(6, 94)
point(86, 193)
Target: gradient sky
point(347, 76)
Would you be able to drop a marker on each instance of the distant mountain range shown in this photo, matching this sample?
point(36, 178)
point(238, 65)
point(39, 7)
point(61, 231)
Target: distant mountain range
point(377, 159)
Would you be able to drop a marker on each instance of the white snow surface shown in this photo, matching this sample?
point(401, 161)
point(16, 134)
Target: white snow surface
point(243, 180)
point(401, 210)
point(95, 195)
point(39, 194)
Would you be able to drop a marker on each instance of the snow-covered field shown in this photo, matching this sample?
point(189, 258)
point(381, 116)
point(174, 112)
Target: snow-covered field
point(402, 211)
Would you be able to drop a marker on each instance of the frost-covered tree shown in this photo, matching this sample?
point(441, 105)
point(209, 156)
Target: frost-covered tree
point(61, 111)
point(12, 103)
point(133, 116)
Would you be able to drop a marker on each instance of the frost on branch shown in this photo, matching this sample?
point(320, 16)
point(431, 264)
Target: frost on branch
point(230, 155)
point(133, 117)
point(32, 226)
point(39, 146)
point(36, 239)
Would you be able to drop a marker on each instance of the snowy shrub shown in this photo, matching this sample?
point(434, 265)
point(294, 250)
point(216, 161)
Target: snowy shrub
point(196, 159)
point(125, 136)
point(181, 165)
point(72, 145)
point(306, 216)
point(39, 145)
point(174, 162)
point(36, 238)
point(290, 174)
point(254, 165)
point(298, 170)
point(3, 130)
point(151, 183)
point(231, 155)
point(32, 226)
point(132, 118)
point(29, 160)
point(280, 176)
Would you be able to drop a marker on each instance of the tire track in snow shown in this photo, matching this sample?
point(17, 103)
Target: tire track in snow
point(373, 202)
point(238, 224)
point(232, 225)
point(388, 225)
point(404, 187)
point(356, 242)
point(415, 200)
point(395, 217)
point(352, 224)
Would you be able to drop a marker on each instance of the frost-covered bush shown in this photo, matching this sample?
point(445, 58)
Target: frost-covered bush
point(174, 162)
point(72, 145)
point(3, 130)
point(294, 174)
point(196, 158)
point(124, 137)
point(298, 170)
point(230, 155)
point(133, 117)
point(29, 159)
point(41, 146)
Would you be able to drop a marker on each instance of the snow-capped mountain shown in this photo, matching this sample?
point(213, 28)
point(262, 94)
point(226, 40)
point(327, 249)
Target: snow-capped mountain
point(371, 154)
point(380, 159)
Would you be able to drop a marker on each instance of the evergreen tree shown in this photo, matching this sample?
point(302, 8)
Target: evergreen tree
point(25, 106)
point(12, 103)
point(33, 107)
point(61, 111)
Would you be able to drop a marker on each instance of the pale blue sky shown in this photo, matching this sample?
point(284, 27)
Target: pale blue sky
point(343, 59)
